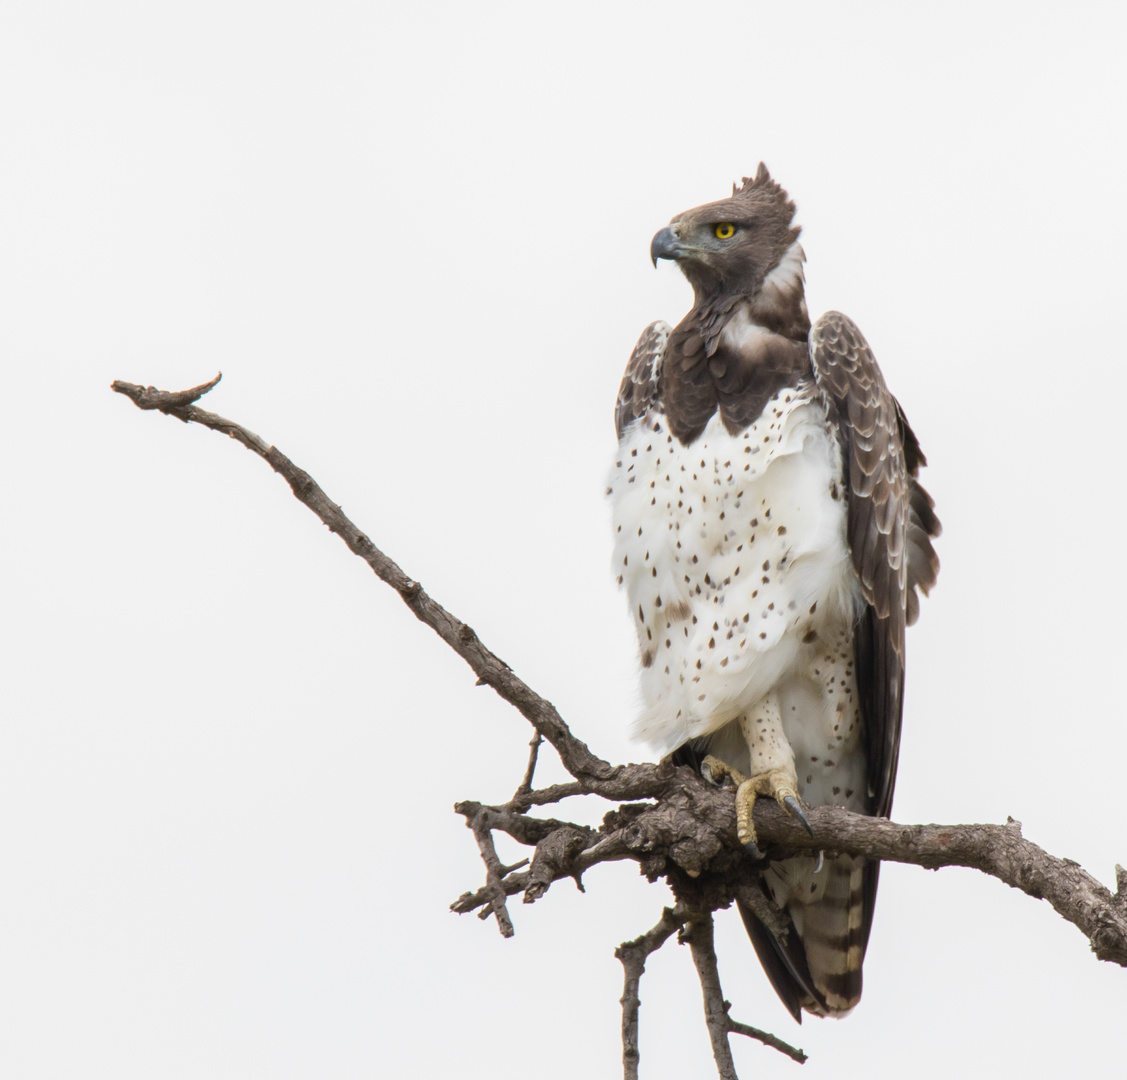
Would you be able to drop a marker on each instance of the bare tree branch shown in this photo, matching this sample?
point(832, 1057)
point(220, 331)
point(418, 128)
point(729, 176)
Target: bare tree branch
point(634, 955)
point(701, 941)
point(670, 822)
point(494, 872)
point(489, 668)
point(700, 937)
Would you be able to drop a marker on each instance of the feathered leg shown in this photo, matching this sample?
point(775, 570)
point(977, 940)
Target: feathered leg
point(772, 770)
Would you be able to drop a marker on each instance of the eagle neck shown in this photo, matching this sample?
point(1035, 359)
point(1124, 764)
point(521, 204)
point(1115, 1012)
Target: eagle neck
point(776, 312)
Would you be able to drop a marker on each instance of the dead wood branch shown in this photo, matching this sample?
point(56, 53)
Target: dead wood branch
point(720, 1025)
point(634, 955)
point(669, 821)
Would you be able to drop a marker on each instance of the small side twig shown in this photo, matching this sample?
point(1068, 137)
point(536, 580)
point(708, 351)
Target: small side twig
point(526, 784)
point(633, 955)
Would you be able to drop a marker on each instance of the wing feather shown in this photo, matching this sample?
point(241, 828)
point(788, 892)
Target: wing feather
point(890, 529)
point(640, 382)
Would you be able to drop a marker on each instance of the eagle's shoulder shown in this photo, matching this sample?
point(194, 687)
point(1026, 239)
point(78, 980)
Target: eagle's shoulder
point(892, 519)
point(640, 381)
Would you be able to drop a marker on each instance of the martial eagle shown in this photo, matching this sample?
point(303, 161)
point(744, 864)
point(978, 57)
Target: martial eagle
point(771, 536)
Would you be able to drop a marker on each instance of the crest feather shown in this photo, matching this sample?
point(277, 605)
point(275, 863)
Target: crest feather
point(761, 185)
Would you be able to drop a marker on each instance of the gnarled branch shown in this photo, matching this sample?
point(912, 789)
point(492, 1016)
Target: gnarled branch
point(669, 821)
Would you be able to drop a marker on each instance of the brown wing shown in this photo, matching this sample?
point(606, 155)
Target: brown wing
point(891, 524)
point(639, 387)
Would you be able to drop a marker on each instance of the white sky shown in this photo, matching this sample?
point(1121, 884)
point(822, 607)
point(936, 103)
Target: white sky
point(415, 241)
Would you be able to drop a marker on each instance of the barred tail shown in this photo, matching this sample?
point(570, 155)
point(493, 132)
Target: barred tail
point(833, 935)
point(817, 965)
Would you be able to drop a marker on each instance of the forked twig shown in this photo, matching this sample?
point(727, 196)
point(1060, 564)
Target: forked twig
point(720, 1025)
point(634, 955)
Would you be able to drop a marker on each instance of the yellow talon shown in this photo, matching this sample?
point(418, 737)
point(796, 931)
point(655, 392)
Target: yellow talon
point(716, 771)
point(779, 784)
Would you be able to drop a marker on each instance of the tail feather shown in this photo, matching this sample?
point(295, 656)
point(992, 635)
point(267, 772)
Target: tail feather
point(784, 963)
point(833, 932)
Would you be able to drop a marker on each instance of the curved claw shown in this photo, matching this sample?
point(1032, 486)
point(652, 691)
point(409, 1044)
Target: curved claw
point(751, 848)
point(791, 803)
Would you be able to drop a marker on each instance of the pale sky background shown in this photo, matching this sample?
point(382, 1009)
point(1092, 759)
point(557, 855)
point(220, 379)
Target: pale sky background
point(415, 240)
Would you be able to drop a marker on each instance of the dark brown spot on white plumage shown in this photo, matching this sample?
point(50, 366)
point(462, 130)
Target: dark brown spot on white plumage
point(647, 658)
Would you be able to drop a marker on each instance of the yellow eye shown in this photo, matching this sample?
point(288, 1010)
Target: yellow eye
point(725, 230)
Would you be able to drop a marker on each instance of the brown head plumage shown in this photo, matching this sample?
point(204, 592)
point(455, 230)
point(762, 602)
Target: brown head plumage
point(730, 246)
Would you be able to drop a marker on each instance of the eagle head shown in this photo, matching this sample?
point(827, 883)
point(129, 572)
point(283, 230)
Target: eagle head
point(732, 246)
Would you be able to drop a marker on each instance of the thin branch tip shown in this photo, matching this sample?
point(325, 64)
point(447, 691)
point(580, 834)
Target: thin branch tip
point(165, 401)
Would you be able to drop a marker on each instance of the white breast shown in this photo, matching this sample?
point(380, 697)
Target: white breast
point(733, 555)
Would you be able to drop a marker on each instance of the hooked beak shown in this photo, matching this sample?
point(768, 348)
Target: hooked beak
point(665, 245)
